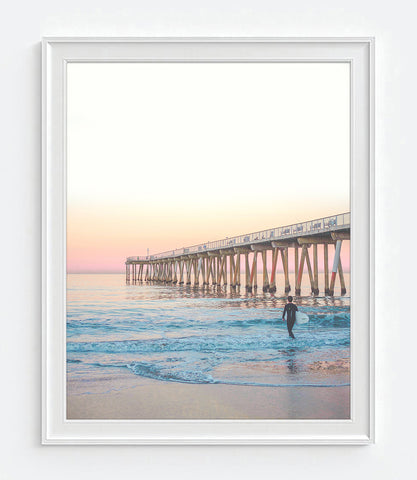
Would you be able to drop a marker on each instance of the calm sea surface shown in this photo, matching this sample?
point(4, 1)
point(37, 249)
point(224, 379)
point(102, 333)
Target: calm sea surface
point(203, 335)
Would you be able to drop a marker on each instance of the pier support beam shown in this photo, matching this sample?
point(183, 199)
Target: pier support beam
point(273, 285)
point(247, 273)
point(245, 251)
point(284, 258)
point(205, 270)
point(175, 278)
point(224, 270)
point(340, 235)
point(335, 268)
point(265, 286)
point(196, 265)
point(219, 271)
point(236, 276)
point(181, 271)
point(188, 267)
point(310, 272)
point(326, 268)
point(200, 269)
point(300, 270)
point(208, 269)
point(232, 268)
point(316, 270)
point(342, 279)
point(213, 270)
point(169, 270)
point(253, 275)
point(263, 248)
point(296, 268)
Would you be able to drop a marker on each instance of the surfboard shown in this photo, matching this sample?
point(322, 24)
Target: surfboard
point(300, 318)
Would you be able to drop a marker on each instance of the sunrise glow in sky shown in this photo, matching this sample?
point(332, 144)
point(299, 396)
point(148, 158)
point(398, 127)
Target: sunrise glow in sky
point(167, 155)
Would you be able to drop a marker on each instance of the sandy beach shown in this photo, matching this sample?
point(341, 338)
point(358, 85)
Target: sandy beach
point(124, 396)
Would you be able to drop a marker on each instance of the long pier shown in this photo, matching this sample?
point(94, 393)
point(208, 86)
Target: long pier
point(209, 263)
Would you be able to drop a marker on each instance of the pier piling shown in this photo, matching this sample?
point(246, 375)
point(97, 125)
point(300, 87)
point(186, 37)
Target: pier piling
point(284, 258)
point(253, 275)
point(273, 284)
point(300, 271)
point(335, 265)
point(247, 273)
point(265, 286)
point(296, 268)
point(316, 270)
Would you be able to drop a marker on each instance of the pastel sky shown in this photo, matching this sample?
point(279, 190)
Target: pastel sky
point(166, 155)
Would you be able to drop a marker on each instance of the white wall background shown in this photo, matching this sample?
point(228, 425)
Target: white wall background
point(22, 24)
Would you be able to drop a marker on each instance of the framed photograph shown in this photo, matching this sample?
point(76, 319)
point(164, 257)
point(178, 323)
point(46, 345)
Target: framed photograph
point(208, 241)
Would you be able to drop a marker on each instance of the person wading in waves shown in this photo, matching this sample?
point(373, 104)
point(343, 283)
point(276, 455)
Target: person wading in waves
point(290, 310)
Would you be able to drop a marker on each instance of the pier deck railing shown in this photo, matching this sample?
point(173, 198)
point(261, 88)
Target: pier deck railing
point(312, 227)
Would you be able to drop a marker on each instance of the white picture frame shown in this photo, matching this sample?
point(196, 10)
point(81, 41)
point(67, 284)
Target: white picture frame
point(57, 53)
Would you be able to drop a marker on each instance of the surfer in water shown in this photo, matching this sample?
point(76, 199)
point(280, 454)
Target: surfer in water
point(290, 310)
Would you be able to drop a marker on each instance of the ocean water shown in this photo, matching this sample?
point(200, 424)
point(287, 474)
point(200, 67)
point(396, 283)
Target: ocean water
point(203, 335)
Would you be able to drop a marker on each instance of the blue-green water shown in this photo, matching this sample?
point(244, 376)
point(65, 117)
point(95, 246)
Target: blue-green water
point(203, 335)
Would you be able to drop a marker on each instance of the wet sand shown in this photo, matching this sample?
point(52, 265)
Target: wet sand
point(124, 396)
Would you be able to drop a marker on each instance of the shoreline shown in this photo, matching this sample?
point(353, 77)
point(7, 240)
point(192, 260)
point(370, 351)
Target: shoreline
point(127, 397)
